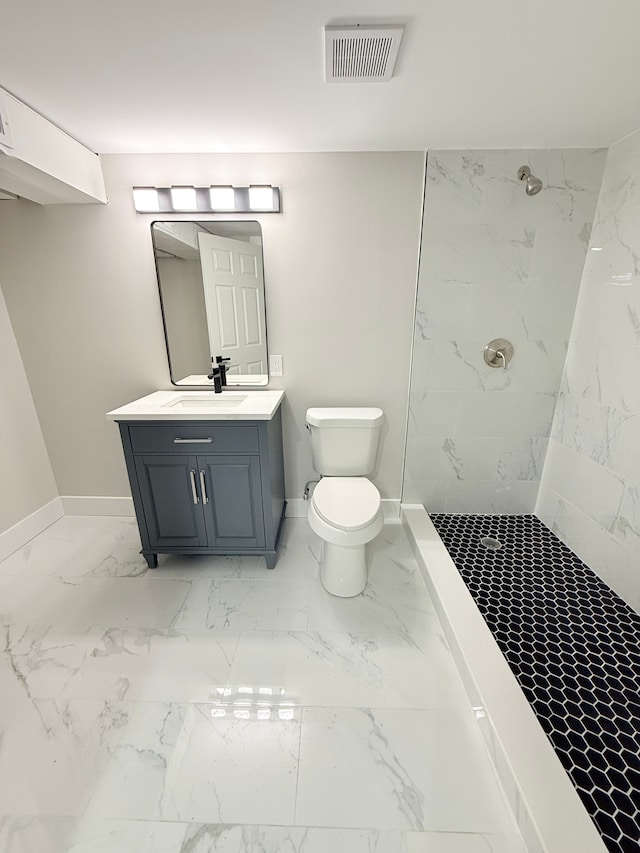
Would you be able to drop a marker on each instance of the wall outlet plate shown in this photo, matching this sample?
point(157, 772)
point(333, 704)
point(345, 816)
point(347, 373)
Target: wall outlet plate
point(275, 365)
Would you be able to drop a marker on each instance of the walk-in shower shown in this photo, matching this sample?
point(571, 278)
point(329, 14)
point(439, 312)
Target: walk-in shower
point(477, 442)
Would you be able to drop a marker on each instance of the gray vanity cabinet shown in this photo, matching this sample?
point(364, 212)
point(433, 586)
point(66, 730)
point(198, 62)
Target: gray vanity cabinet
point(206, 487)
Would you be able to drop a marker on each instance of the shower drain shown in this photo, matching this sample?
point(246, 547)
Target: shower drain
point(490, 543)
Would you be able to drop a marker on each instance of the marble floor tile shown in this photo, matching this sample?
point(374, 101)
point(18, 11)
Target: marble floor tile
point(53, 752)
point(77, 546)
point(25, 599)
point(134, 781)
point(214, 705)
point(126, 836)
point(458, 842)
point(29, 834)
point(395, 769)
point(237, 768)
point(287, 839)
point(244, 604)
point(203, 566)
point(39, 557)
point(203, 763)
point(311, 669)
point(122, 603)
point(297, 561)
point(420, 675)
point(145, 664)
point(380, 609)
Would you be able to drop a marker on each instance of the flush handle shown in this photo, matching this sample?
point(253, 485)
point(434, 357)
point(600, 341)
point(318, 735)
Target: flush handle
point(498, 353)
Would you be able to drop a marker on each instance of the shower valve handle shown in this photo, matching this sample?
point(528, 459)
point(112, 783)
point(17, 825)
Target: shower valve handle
point(498, 353)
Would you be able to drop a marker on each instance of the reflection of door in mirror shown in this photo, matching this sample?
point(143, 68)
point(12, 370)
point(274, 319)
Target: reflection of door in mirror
point(212, 299)
point(233, 294)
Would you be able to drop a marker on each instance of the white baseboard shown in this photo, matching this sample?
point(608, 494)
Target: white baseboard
point(297, 508)
point(18, 535)
point(91, 505)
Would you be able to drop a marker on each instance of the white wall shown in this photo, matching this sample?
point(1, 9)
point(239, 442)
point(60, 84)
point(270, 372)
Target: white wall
point(27, 479)
point(340, 271)
point(495, 263)
point(590, 492)
point(185, 316)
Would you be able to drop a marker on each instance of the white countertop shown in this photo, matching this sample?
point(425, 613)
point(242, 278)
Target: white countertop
point(201, 406)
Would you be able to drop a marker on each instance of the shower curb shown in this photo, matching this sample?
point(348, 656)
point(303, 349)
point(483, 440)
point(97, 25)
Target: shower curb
point(545, 805)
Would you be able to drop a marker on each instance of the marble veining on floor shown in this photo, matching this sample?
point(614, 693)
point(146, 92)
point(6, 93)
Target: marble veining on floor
point(212, 705)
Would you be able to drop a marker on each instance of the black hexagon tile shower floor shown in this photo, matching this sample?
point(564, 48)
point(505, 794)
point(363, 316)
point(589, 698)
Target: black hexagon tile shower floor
point(573, 645)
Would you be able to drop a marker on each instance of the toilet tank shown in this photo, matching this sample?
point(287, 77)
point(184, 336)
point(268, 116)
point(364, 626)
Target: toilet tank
point(344, 441)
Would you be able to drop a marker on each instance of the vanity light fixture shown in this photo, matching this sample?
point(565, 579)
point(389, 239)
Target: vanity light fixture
point(222, 198)
point(261, 198)
point(184, 198)
point(146, 199)
point(214, 199)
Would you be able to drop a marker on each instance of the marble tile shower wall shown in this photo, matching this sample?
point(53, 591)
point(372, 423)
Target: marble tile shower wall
point(590, 491)
point(494, 263)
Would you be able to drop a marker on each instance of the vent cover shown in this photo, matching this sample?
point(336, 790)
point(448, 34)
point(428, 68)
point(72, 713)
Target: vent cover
point(361, 54)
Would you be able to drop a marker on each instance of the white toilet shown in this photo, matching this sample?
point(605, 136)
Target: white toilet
point(345, 509)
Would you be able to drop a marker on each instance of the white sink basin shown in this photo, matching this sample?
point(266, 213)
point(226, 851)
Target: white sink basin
point(210, 402)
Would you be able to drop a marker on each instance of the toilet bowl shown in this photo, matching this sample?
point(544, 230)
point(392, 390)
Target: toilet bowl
point(345, 509)
point(346, 513)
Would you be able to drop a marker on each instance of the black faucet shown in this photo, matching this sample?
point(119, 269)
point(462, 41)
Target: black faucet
point(221, 363)
point(216, 375)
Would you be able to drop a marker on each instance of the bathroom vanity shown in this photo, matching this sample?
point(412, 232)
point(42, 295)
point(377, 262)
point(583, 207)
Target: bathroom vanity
point(206, 471)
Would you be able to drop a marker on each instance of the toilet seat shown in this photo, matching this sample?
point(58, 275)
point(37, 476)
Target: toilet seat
point(346, 503)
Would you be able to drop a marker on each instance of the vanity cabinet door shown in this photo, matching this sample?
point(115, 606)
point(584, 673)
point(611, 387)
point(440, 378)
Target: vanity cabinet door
point(171, 499)
point(232, 500)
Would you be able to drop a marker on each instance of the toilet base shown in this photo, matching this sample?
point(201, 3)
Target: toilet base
point(343, 571)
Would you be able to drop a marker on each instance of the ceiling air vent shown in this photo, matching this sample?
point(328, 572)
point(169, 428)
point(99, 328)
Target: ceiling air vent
point(361, 54)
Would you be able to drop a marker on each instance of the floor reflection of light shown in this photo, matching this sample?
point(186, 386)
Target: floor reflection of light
point(285, 713)
point(245, 702)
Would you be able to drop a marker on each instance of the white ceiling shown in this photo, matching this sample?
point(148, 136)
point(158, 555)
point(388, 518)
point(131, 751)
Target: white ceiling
point(248, 75)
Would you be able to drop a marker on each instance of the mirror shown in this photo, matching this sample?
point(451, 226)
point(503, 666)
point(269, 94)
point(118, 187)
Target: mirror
point(211, 281)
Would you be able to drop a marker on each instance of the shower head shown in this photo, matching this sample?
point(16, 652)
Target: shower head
point(534, 185)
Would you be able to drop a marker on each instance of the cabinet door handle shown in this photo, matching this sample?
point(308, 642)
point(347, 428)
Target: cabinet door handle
point(203, 488)
point(194, 491)
point(192, 440)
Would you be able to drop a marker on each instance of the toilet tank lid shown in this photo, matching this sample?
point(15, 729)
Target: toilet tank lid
point(345, 417)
